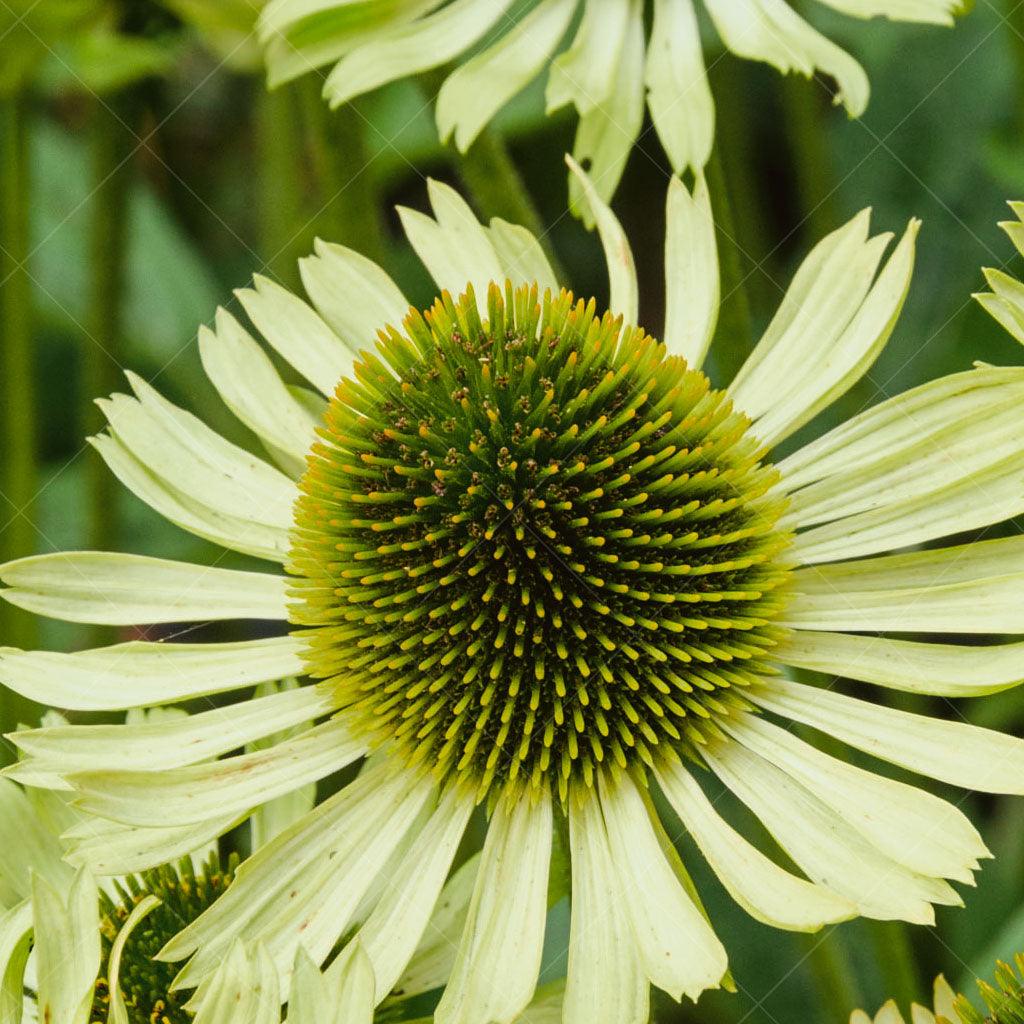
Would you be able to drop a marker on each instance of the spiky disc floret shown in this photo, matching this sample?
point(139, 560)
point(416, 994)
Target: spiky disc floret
point(145, 983)
point(1004, 1000)
point(534, 544)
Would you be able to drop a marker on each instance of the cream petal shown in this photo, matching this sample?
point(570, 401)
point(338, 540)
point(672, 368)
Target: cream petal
point(118, 1012)
point(605, 983)
point(932, 12)
point(761, 887)
point(243, 990)
point(624, 291)
point(969, 501)
point(606, 133)
point(825, 293)
point(431, 965)
point(678, 94)
point(111, 589)
point(354, 296)
point(580, 74)
point(251, 538)
point(232, 785)
point(28, 846)
point(394, 929)
point(678, 950)
point(926, 465)
point(252, 389)
point(181, 450)
point(954, 752)
point(15, 944)
point(944, 999)
point(498, 961)
point(823, 845)
point(479, 88)
point(141, 673)
point(945, 670)
point(66, 937)
point(913, 827)
point(692, 284)
point(112, 848)
point(180, 741)
point(837, 368)
point(521, 257)
point(297, 333)
point(413, 48)
point(771, 31)
point(455, 248)
point(283, 862)
point(896, 424)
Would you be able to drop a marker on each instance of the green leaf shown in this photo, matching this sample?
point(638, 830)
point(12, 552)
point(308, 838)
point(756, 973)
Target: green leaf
point(103, 61)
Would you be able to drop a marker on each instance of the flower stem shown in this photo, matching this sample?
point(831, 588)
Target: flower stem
point(838, 990)
point(735, 324)
point(18, 471)
point(894, 956)
point(281, 201)
point(496, 186)
point(101, 357)
point(348, 207)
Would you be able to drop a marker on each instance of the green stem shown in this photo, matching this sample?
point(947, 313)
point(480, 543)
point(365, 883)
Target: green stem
point(281, 199)
point(19, 479)
point(829, 965)
point(735, 323)
point(101, 360)
point(496, 186)
point(894, 956)
point(1015, 20)
point(804, 105)
point(348, 194)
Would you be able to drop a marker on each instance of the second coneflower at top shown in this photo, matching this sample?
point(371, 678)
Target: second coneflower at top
point(607, 67)
point(536, 563)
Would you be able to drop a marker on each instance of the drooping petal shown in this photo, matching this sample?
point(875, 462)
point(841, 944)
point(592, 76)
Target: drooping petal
point(606, 133)
point(478, 89)
point(413, 48)
point(111, 589)
point(605, 983)
point(498, 961)
point(931, 12)
point(624, 297)
point(678, 94)
point(393, 931)
point(521, 257)
point(761, 887)
point(945, 670)
point(692, 283)
point(28, 847)
point(141, 673)
point(118, 1012)
point(253, 390)
point(66, 936)
point(829, 850)
point(914, 827)
point(235, 784)
point(678, 950)
point(244, 988)
point(15, 944)
point(954, 752)
point(581, 74)
point(179, 741)
point(771, 31)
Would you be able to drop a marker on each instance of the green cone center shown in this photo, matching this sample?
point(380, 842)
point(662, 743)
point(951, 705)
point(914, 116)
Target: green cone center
point(145, 983)
point(532, 543)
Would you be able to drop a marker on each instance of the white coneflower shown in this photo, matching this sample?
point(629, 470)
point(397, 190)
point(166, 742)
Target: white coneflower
point(944, 1010)
point(536, 561)
point(608, 69)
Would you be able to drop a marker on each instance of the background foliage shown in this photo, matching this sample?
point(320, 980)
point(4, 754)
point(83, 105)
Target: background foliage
point(159, 176)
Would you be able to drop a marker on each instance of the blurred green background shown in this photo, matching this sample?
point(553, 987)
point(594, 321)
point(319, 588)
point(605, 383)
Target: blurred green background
point(144, 177)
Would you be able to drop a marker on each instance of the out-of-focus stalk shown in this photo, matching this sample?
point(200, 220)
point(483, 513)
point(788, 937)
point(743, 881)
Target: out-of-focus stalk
point(496, 186)
point(830, 967)
point(894, 958)
point(18, 469)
